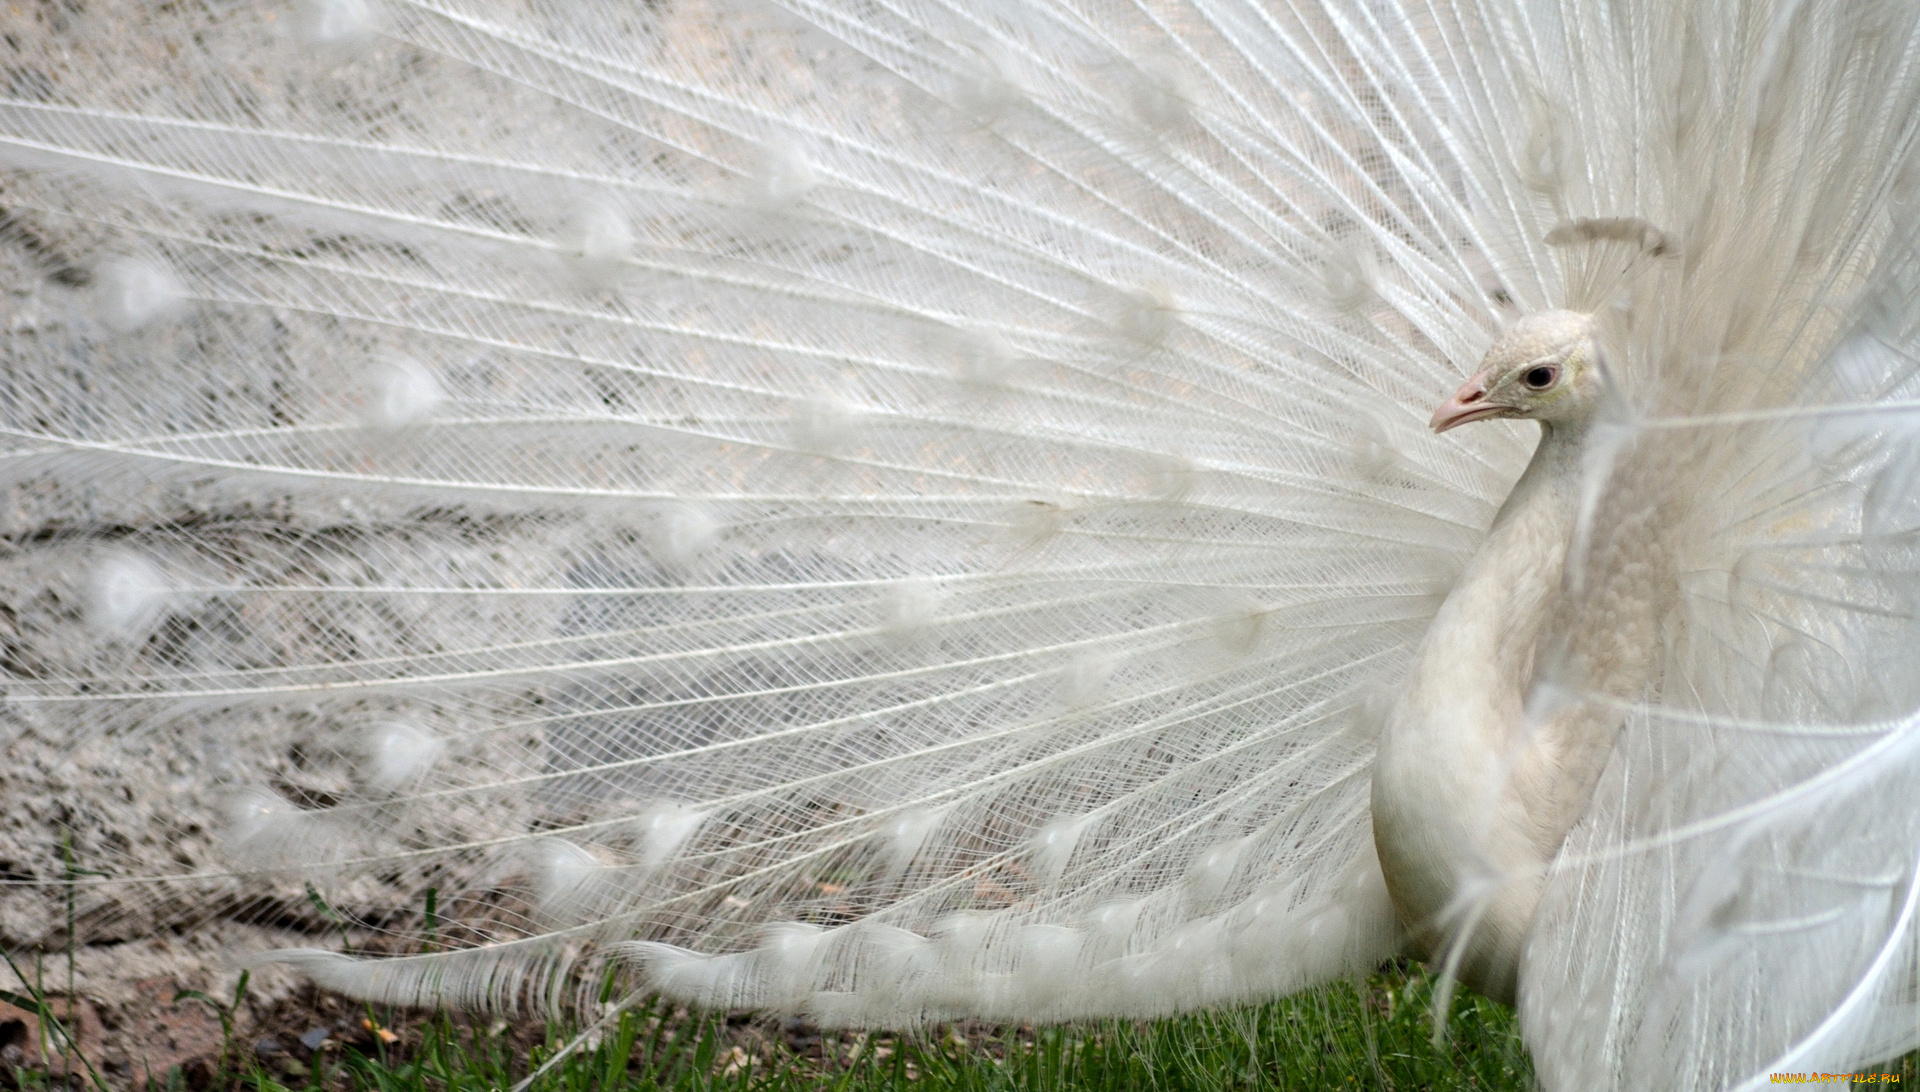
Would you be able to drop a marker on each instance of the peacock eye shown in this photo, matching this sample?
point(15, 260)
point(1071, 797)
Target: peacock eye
point(1540, 378)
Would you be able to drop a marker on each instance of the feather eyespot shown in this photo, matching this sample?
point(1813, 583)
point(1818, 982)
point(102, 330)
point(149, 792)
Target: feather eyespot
point(1540, 378)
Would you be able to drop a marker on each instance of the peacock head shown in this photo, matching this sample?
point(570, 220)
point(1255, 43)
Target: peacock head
point(1545, 368)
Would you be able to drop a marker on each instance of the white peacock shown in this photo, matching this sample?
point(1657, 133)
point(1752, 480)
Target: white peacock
point(904, 510)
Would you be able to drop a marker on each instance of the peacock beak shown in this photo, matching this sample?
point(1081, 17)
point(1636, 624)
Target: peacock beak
point(1469, 403)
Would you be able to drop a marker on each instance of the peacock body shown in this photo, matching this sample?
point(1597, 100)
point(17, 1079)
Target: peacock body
point(899, 511)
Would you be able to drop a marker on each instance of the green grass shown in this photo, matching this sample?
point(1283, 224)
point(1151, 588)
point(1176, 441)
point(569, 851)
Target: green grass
point(1372, 1034)
point(1376, 1033)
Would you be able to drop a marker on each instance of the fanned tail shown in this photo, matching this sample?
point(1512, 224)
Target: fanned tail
point(893, 513)
point(908, 510)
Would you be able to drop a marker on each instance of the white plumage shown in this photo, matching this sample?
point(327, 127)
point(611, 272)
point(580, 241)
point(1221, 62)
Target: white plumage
point(906, 510)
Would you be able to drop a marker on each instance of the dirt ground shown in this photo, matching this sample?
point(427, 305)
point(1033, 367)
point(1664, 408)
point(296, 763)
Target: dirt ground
point(157, 1041)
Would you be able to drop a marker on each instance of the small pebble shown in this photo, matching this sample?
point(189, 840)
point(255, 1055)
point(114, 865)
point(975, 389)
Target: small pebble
point(312, 1040)
point(268, 1046)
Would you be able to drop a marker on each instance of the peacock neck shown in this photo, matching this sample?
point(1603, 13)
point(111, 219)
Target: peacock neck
point(1466, 800)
